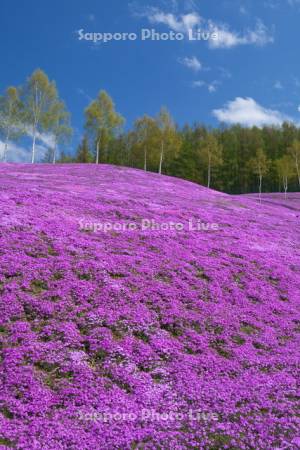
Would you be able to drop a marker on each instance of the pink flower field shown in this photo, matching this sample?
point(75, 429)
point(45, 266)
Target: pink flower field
point(136, 337)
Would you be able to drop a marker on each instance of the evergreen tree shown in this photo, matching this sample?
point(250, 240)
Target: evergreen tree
point(48, 158)
point(83, 152)
point(294, 151)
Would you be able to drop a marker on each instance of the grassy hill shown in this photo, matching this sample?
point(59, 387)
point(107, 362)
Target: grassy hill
point(118, 335)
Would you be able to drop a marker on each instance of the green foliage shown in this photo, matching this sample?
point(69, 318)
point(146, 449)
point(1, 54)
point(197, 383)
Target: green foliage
point(285, 169)
point(11, 124)
point(59, 125)
point(231, 169)
point(83, 152)
point(146, 141)
point(102, 123)
point(43, 111)
point(230, 159)
point(294, 151)
point(259, 165)
point(64, 158)
point(168, 137)
point(210, 153)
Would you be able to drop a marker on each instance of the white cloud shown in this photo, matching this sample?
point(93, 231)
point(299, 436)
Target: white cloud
point(247, 112)
point(278, 85)
point(296, 82)
point(293, 2)
point(84, 94)
point(181, 23)
point(275, 4)
point(243, 10)
point(192, 63)
point(299, 108)
point(272, 4)
point(259, 36)
point(211, 87)
point(225, 73)
point(22, 152)
point(199, 83)
point(227, 38)
point(190, 5)
point(46, 139)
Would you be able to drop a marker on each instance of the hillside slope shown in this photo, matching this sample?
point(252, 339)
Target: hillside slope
point(192, 336)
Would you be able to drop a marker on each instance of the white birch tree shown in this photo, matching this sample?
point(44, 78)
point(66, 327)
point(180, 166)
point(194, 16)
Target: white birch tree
point(39, 95)
point(211, 154)
point(58, 124)
point(169, 139)
point(11, 126)
point(285, 171)
point(259, 165)
point(145, 132)
point(102, 122)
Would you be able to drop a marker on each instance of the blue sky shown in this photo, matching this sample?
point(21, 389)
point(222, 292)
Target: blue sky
point(250, 74)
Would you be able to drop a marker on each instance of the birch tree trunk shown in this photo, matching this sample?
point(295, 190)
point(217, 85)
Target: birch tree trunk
point(97, 151)
point(285, 184)
point(33, 146)
point(6, 146)
point(9, 127)
point(36, 115)
point(161, 157)
point(54, 153)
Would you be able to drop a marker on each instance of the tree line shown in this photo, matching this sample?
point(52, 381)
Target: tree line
point(232, 159)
